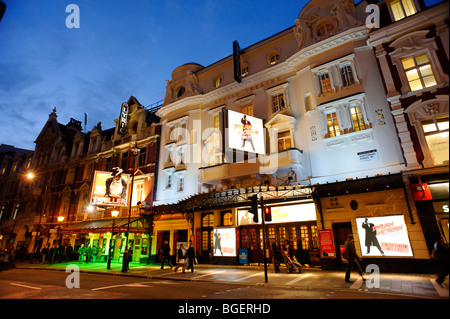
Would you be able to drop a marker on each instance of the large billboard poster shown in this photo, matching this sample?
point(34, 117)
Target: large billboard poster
point(225, 242)
point(110, 188)
point(281, 214)
point(384, 236)
point(245, 133)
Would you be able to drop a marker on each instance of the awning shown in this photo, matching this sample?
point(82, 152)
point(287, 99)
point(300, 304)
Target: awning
point(103, 226)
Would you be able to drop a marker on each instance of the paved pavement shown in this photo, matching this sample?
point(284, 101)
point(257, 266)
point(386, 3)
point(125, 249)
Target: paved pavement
point(386, 284)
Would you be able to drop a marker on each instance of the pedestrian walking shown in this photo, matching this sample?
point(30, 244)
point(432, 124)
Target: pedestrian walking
point(191, 257)
point(53, 254)
point(61, 251)
point(81, 252)
point(94, 253)
point(44, 253)
point(352, 258)
point(181, 262)
point(276, 257)
point(441, 256)
point(165, 254)
point(69, 252)
point(88, 253)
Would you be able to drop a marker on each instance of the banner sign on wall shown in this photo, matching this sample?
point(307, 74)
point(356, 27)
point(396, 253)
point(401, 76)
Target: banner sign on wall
point(245, 133)
point(326, 242)
point(384, 236)
point(225, 242)
point(281, 214)
point(110, 188)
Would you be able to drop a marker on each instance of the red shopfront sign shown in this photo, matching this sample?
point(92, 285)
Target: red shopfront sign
point(421, 192)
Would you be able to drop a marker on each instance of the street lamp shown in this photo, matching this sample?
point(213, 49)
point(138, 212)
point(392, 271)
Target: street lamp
point(60, 220)
point(114, 214)
point(135, 152)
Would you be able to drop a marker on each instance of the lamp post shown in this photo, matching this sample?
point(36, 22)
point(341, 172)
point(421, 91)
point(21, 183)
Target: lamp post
point(135, 152)
point(114, 214)
point(60, 220)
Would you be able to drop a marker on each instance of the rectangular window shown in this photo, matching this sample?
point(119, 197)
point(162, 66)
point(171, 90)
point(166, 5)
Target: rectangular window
point(418, 72)
point(333, 125)
point(357, 118)
point(278, 103)
point(324, 83)
point(436, 134)
point(347, 76)
point(402, 8)
point(304, 234)
point(248, 109)
point(216, 122)
point(284, 141)
point(124, 164)
point(181, 184)
point(142, 157)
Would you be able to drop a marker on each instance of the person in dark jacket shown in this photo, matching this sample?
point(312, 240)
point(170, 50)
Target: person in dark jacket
point(352, 258)
point(441, 256)
point(69, 252)
point(276, 257)
point(190, 257)
point(166, 255)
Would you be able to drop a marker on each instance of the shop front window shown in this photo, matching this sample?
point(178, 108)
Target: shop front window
point(436, 135)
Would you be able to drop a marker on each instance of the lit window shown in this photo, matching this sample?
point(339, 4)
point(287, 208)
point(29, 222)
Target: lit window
point(169, 181)
point(278, 103)
point(347, 75)
point(227, 219)
point(402, 8)
point(304, 233)
point(216, 122)
point(436, 135)
point(244, 70)
point(274, 58)
point(181, 184)
point(333, 125)
point(324, 83)
point(208, 220)
point(357, 118)
point(217, 81)
point(284, 141)
point(248, 109)
point(418, 72)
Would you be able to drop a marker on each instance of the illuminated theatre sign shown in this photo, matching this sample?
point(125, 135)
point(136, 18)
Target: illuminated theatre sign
point(245, 133)
point(110, 188)
point(384, 236)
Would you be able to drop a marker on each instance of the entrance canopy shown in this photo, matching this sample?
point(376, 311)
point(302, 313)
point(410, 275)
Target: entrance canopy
point(105, 226)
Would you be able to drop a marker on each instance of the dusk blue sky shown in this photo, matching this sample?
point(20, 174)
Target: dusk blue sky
point(122, 48)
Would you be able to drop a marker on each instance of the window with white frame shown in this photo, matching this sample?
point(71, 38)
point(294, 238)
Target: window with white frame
point(324, 83)
point(336, 75)
point(333, 124)
point(169, 180)
point(436, 132)
point(344, 116)
point(402, 9)
point(284, 141)
point(347, 77)
point(418, 71)
point(278, 98)
point(278, 103)
point(181, 183)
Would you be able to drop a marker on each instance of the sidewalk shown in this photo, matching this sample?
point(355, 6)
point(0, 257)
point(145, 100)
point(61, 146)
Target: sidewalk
point(417, 285)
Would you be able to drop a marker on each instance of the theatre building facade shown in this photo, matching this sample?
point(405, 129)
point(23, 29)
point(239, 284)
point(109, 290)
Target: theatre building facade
point(304, 120)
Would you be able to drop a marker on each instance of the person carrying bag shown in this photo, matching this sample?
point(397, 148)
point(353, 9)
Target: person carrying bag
point(181, 262)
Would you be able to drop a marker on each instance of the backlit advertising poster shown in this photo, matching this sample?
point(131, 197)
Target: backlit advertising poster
point(281, 214)
point(110, 188)
point(225, 242)
point(245, 133)
point(384, 236)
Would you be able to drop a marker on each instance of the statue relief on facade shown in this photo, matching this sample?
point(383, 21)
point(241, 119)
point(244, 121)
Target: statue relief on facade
point(302, 33)
point(343, 11)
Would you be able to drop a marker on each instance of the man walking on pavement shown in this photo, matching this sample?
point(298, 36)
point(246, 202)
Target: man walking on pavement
point(352, 258)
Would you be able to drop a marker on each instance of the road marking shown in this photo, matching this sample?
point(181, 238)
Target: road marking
point(357, 284)
point(439, 289)
point(135, 285)
point(298, 279)
point(248, 277)
point(25, 286)
point(209, 274)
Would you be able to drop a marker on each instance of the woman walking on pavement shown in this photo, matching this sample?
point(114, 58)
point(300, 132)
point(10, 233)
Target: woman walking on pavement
point(352, 258)
point(181, 262)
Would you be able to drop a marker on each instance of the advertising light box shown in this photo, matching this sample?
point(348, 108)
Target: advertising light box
point(245, 133)
point(110, 188)
point(225, 242)
point(384, 236)
point(281, 214)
